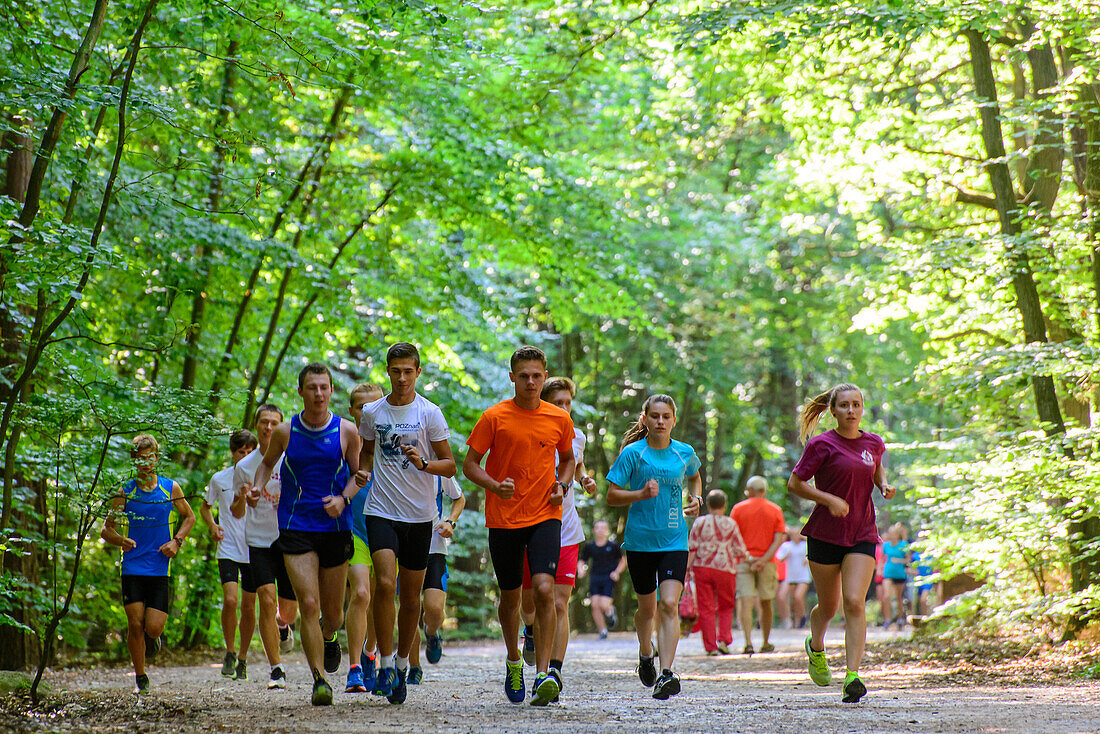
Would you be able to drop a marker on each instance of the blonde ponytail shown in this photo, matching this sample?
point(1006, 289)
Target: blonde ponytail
point(812, 409)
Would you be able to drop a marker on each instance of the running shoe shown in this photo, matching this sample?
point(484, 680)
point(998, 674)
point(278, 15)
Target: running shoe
point(723, 648)
point(322, 692)
point(647, 672)
point(433, 648)
point(545, 689)
point(415, 676)
point(242, 670)
point(819, 666)
point(853, 688)
point(556, 675)
point(286, 638)
point(277, 679)
point(513, 681)
point(528, 645)
point(612, 619)
point(141, 684)
point(332, 654)
point(748, 650)
point(767, 647)
point(229, 665)
point(713, 653)
point(370, 670)
point(355, 680)
point(668, 684)
point(152, 647)
point(400, 690)
point(385, 681)
point(603, 634)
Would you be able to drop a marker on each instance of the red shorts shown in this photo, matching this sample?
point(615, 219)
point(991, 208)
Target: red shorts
point(567, 567)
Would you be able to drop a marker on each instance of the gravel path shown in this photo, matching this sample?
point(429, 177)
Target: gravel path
point(764, 693)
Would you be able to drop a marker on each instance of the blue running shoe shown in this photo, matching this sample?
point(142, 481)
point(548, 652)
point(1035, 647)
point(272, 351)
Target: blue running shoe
point(545, 690)
point(355, 680)
point(433, 648)
point(528, 645)
point(400, 690)
point(370, 670)
point(385, 682)
point(513, 681)
point(416, 674)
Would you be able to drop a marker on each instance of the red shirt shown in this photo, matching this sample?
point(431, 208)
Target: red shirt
point(844, 467)
point(759, 521)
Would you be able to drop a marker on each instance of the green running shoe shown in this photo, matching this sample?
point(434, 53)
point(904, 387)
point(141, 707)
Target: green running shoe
point(819, 666)
point(229, 665)
point(545, 689)
point(322, 692)
point(853, 688)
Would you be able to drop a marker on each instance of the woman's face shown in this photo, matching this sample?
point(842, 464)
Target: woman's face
point(848, 409)
point(659, 418)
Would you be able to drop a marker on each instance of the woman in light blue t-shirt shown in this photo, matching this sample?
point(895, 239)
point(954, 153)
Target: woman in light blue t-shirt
point(649, 476)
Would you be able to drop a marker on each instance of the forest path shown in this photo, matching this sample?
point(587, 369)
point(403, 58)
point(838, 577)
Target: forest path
point(764, 693)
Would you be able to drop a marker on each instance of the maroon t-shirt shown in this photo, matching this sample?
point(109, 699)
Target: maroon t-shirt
point(844, 467)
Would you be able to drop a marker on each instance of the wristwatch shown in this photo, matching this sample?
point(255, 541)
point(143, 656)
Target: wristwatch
point(179, 541)
point(423, 466)
point(564, 486)
point(452, 522)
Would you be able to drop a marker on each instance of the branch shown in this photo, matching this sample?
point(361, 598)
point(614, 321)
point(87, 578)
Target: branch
point(1000, 341)
point(968, 196)
point(961, 157)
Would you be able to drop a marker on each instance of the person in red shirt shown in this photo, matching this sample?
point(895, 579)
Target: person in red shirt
point(846, 465)
point(714, 548)
point(523, 506)
point(764, 530)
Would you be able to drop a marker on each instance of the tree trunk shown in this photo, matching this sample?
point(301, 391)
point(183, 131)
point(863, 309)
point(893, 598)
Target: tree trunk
point(1008, 213)
point(226, 106)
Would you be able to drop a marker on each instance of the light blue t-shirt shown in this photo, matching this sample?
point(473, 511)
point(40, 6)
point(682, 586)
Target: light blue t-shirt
point(656, 524)
point(894, 568)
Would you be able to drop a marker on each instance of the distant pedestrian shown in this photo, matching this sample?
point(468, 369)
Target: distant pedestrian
point(715, 547)
point(764, 530)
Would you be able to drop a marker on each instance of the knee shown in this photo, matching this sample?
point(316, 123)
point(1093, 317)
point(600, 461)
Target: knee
point(135, 627)
point(562, 606)
point(853, 606)
point(668, 607)
point(229, 601)
point(248, 604)
point(309, 606)
point(268, 603)
point(361, 595)
point(385, 588)
point(544, 591)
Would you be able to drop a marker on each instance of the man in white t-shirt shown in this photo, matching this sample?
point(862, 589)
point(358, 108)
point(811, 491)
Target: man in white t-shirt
point(435, 579)
point(560, 391)
point(259, 506)
point(232, 555)
point(405, 447)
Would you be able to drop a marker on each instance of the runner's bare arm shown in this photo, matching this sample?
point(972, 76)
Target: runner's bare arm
point(366, 462)
point(799, 487)
point(695, 491)
point(187, 521)
point(472, 470)
point(216, 531)
point(110, 533)
point(280, 437)
point(446, 527)
point(443, 465)
point(617, 496)
point(885, 487)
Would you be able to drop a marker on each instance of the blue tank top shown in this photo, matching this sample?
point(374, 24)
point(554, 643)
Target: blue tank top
point(313, 469)
point(150, 526)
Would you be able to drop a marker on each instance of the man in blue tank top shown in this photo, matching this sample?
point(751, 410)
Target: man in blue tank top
point(148, 548)
point(320, 454)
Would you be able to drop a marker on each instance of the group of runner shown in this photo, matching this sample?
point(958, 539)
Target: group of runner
point(319, 504)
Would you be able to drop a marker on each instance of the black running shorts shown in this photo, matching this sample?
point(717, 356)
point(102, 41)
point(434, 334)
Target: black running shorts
point(436, 575)
point(333, 547)
point(648, 569)
point(409, 541)
point(541, 544)
point(268, 567)
point(229, 571)
point(155, 592)
point(830, 554)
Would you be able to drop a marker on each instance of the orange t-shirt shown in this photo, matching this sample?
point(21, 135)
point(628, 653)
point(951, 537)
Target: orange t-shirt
point(759, 521)
point(522, 444)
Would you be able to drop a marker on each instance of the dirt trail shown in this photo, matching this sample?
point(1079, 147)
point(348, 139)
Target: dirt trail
point(764, 693)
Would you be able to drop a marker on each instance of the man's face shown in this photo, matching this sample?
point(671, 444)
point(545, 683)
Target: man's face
point(146, 461)
point(528, 378)
point(563, 400)
point(242, 452)
point(266, 424)
point(316, 390)
point(358, 400)
point(403, 373)
point(601, 530)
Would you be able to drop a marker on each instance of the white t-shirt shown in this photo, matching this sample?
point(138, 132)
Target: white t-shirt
point(220, 494)
point(402, 491)
point(798, 567)
point(571, 530)
point(261, 523)
point(444, 486)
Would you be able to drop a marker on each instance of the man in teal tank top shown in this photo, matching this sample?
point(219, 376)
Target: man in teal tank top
point(148, 548)
point(320, 453)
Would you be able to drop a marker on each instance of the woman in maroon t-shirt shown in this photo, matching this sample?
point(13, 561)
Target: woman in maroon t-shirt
point(846, 465)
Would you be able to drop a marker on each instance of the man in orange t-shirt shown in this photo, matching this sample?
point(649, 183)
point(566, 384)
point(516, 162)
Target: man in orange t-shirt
point(764, 530)
point(523, 503)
